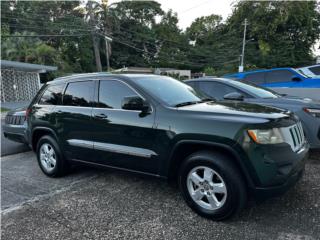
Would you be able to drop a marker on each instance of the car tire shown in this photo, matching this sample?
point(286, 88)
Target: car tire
point(212, 185)
point(50, 158)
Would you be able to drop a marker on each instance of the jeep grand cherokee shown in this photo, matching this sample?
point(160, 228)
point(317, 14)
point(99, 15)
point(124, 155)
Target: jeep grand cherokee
point(219, 152)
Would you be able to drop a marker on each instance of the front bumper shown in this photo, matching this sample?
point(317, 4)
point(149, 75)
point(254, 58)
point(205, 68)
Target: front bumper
point(261, 193)
point(278, 168)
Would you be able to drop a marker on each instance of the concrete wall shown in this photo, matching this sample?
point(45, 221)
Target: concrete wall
point(313, 93)
point(17, 86)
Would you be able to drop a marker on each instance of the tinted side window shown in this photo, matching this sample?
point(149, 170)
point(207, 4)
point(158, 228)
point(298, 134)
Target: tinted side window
point(191, 84)
point(79, 94)
point(111, 93)
point(279, 76)
point(257, 78)
point(315, 70)
point(216, 90)
point(52, 95)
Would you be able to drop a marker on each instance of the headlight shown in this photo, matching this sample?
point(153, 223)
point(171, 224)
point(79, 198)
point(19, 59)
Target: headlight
point(313, 111)
point(266, 136)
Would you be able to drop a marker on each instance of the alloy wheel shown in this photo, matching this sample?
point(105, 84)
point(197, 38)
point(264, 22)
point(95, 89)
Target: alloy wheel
point(48, 157)
point(207, 188)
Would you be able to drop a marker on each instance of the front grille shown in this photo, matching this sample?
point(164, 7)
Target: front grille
point(294, 136)
point(15, 120)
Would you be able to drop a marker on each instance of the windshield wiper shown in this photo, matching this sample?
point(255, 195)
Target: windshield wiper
point(186, 103)
point(207, 99)
point(194, 102)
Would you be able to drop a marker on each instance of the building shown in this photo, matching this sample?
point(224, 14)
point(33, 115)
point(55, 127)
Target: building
point(181, 74)
point(20, 81)
point(141, 70)
point(176, 73)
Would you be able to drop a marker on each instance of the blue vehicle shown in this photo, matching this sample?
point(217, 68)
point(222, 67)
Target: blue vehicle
point(277, 78)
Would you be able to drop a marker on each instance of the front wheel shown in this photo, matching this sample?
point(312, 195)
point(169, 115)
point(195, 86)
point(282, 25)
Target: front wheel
point(211, 185)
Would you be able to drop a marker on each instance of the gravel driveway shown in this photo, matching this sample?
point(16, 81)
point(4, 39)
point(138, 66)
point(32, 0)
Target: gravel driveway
point(94, 204)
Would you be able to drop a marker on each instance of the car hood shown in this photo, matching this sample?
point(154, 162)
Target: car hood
point(238, 109)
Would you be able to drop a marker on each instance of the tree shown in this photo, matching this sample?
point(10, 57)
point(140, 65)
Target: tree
point(172, 45)
point(283, 31)
point(134, 40)
point(53, 18)
point(203, 27)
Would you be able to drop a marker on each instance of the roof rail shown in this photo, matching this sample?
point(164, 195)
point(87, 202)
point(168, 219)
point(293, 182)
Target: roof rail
point(82, 74)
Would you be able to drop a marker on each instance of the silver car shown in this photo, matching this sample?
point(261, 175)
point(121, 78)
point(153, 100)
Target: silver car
point(307, 109)
point(15, 125)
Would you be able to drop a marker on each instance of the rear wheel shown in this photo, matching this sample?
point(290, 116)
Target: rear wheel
point(211, 185)
point(50, 159)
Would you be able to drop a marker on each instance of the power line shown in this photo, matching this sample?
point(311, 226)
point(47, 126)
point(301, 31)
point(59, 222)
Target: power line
point(45, 35)
point(187, 10)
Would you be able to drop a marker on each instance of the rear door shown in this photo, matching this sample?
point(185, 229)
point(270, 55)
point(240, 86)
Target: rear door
point(256, 78)
point(282, 78)
point(123, 138)
point(73, 119)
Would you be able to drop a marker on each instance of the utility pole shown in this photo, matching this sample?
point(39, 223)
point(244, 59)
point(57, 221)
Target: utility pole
point(241, 67)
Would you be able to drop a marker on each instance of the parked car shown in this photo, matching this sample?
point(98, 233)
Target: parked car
point(277, 78)
point(225, 89)
point(156, 125)
point(15, 125)
point(311, 71)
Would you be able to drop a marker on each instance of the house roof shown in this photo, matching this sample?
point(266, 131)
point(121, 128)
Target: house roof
point(28, 67)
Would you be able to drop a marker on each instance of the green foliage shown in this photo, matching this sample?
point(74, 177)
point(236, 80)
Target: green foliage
point(209, 71)
point(283, 31)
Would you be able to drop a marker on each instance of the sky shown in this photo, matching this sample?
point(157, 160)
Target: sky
point(189, 10)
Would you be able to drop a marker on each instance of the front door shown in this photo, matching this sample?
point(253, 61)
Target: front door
point(122, 138)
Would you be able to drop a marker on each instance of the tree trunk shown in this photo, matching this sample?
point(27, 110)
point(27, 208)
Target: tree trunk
point(96, 52)
point(95, 40)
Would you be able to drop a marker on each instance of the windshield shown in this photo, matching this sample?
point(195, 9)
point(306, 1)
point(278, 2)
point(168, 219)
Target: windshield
point(170, 91)
point(256, 90)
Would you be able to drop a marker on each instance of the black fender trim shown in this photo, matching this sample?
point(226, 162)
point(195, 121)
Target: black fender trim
point(249, 178)
point(43, 129)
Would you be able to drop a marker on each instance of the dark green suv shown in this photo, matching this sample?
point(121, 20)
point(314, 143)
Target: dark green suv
point(220, 152)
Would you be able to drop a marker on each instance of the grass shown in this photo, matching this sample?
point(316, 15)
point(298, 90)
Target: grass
point(4, 110)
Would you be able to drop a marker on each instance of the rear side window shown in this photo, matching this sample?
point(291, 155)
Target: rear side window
point(257, 78)
point(52, 95)
point(217, 90)
point(279, 76)
point(191, 84)
point(79, 94)
point(111, 93)
point(315, 70)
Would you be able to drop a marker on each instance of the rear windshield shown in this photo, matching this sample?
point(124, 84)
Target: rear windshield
point(52, 95)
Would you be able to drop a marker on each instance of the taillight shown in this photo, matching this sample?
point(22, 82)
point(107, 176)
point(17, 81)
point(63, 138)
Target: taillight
point(28, 111)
